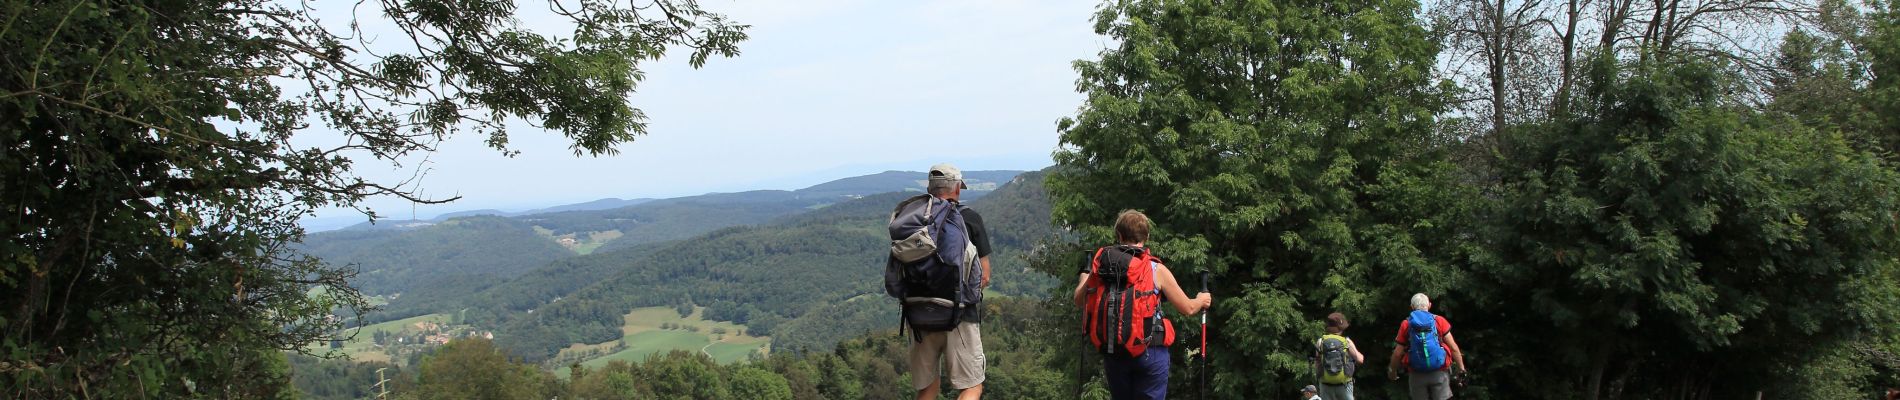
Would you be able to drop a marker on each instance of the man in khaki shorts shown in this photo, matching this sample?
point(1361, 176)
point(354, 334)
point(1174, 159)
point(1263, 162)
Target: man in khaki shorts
point(961, 349)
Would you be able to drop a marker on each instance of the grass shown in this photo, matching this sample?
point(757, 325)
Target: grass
point(645, 344)
point(362, 347)
point(726, 353)
point(595, 240)
point(642, 332)
point(582, 243)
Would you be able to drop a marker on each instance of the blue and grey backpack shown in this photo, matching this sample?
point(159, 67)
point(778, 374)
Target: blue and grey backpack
point(931, 268)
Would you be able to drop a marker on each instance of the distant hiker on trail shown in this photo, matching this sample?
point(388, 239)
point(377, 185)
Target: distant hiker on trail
point(939, 265)
point(1335, 357)
point(1427, 350)
point(1120, 293)
point(1310, 393)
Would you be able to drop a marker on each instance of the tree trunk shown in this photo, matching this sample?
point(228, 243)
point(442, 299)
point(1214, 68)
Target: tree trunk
point(1561, 104)
point(32, 301)
point(1706, 388)
point(1593, 387)
point(1622, 380)
point(1497, 53)
point(1650, 33)
point(1667, 37)
point(1613, 22)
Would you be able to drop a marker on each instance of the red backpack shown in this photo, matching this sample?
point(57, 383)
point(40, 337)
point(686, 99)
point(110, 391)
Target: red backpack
point(1122, 314)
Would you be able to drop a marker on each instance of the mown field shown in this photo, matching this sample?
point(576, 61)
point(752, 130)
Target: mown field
point(361, 345)
point(654, 330)
point(583, 243)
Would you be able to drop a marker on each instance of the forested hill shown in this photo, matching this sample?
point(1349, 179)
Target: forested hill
point(800, 266)
point(806, 280)
point(463, 249)
point(425, 263)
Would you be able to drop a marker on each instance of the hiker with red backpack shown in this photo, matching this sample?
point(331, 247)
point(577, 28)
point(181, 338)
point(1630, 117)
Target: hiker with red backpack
point(937, 269)
point(1426, 349)
point(1120, 292)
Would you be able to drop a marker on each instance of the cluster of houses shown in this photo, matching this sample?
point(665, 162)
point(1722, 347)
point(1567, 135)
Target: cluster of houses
point(433, 333)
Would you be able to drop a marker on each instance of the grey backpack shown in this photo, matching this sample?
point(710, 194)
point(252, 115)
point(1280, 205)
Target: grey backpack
point(931, 267)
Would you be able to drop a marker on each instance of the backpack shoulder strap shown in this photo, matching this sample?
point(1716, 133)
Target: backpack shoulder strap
point(1095, 261)
point(1154, 267)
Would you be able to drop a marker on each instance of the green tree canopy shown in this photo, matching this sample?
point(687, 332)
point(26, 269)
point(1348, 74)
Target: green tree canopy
point(686, 375)
point(1670, 241)
point(151, 186)
point(754, 383)
point(1881, 44)
point(1286, 147)
point(475, 369)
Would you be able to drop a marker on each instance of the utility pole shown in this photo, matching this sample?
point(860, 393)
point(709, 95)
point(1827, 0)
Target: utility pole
point(382, 385)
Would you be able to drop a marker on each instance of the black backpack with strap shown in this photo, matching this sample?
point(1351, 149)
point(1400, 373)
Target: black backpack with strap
point(929, 269)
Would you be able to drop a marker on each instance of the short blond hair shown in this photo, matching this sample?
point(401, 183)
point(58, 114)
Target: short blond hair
point(1132, 227)
point(1420, 302)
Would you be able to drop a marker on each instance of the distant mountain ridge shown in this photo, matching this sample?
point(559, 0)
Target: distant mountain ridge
point(980, 183)
point(602, 204)
point(398, 256)
point(479, 247)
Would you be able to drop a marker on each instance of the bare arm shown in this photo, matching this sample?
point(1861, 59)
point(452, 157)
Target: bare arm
point(1354, 348)
point(1457, 356)
point(1164, 280)
point(986, 270)
point(1392, 370)
point(1081, 284)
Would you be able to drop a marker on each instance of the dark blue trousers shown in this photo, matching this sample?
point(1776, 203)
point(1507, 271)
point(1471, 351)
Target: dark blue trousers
point(1135, 378)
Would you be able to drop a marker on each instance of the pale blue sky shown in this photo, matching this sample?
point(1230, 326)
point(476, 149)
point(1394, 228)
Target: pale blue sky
point(824, 89)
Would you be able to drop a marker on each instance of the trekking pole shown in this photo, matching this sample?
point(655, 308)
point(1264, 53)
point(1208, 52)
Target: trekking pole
point(1204, 371)
point(1082, 364)
point(1082, 359)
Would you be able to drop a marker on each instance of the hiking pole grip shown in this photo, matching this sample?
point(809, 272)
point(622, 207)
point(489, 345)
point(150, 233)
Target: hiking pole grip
point(1204, 312)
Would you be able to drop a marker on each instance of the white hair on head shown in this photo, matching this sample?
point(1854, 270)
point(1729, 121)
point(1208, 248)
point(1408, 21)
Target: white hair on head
point(1420, 302)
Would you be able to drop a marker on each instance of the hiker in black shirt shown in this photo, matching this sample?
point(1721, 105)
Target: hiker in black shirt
point(960, 349)
point(980, 237)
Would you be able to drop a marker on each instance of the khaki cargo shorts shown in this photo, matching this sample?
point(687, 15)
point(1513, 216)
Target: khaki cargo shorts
point(960, 349)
